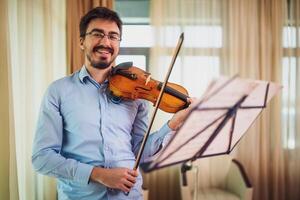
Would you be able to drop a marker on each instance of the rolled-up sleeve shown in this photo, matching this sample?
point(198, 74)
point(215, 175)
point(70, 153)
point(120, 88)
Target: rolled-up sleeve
point(46, 157)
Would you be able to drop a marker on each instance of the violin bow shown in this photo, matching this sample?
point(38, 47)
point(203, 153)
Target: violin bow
point(147, 133)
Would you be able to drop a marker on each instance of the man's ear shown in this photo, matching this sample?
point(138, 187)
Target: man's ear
point(81, 43)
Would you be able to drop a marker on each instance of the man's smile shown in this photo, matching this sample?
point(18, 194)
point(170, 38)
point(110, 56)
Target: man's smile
point(103, 50)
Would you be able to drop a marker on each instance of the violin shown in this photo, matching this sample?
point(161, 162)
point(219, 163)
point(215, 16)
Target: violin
point(129, 82)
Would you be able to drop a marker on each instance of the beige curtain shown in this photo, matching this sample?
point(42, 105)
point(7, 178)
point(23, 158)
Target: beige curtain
point(252, 47)
point(7, 182)
point(36, 47)
point(75, 10)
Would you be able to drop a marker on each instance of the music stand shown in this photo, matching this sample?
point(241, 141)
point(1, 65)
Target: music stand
point(217, 122)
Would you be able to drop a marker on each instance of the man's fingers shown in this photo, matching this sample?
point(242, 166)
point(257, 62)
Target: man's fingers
point(192, 100)
point(129, 184)
point(126, 185)
point(131, 178)
point(124, 188)
point(133, 173)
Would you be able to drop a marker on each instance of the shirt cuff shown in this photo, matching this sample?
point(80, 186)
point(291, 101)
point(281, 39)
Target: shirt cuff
point(83, 173)
point(164, 130)
point(167, 138)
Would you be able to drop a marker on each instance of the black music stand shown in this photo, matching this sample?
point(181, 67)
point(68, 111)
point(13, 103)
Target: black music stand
point(217, 122)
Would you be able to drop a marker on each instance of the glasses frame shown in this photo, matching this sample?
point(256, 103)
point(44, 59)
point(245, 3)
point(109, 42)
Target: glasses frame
point(102, 35)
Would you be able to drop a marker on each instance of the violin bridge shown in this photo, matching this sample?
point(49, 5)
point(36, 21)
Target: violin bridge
point(148, 79)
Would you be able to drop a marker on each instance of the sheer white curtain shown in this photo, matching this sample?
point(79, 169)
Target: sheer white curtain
point(250, 45)
point(38, 56)
point(291, 97)
point(199, 59)
point(197, 63)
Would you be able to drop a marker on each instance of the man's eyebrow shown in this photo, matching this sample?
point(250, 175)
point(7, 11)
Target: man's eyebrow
point(97, 30)
point(102, 31)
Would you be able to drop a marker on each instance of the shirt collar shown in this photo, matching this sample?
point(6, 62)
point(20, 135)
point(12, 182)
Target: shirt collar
point(83, 74)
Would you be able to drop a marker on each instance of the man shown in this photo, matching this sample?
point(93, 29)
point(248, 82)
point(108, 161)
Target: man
point(85, 139)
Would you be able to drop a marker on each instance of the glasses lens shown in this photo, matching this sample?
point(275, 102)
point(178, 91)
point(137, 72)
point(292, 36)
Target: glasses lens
point(97, 34)
point(114, 37)
point(100, 35)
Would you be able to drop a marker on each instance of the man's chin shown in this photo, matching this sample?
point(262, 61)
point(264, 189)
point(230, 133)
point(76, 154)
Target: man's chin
point(101, 65)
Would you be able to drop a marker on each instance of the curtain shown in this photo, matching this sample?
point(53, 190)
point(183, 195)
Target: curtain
point(291, 97)
point(251, 46)
point(75, 10)
point(37, 53)
point(5, 107)
point(197, 63)
point(253, 49)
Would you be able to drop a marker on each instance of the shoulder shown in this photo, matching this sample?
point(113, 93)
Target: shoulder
point(62, 85)
point(66, 81)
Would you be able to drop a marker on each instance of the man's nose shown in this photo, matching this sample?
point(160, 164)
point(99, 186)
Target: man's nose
point(104, 40)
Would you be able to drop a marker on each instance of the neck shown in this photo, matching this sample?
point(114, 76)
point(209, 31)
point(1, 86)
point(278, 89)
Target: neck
point(98, 75)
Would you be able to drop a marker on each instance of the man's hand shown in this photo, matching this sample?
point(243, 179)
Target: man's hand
point(117, 178)
point(181, 115)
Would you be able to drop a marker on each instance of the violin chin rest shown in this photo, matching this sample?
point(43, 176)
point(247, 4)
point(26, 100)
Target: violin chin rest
point(124, 65)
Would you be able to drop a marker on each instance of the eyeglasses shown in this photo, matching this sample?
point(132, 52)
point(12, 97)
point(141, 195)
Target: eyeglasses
point(114, 37)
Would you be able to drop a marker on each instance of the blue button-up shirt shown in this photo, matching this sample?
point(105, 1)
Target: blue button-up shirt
point(80, 126)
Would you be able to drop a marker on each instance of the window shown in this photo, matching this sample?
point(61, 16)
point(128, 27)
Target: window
point(138, 38)
point(289, 69)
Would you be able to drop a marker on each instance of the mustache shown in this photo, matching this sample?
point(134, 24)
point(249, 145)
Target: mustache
point(110, 50)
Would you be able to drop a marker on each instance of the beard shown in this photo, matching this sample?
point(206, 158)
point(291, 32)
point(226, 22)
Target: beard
point(102, 64)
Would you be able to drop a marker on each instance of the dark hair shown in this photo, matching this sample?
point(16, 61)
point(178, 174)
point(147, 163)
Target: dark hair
point(102, 13)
